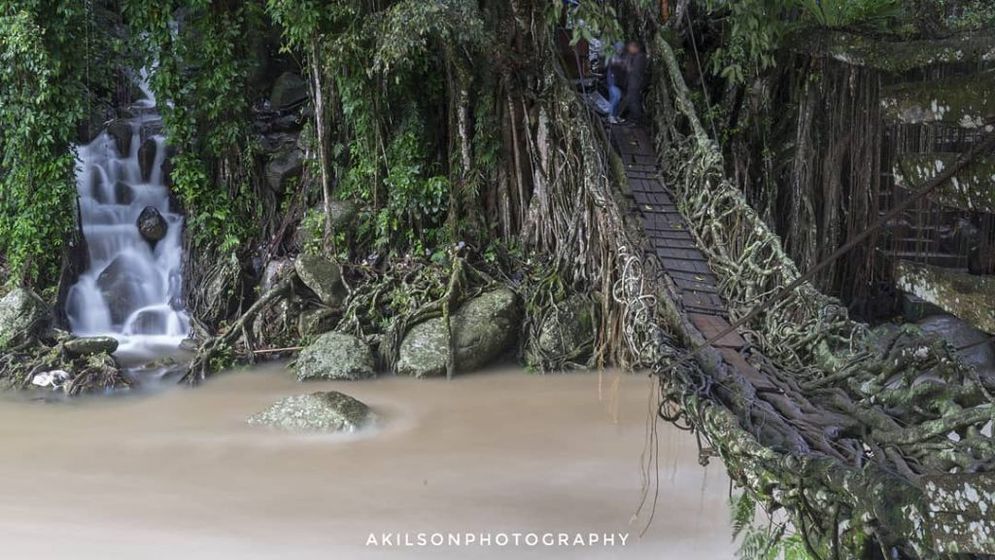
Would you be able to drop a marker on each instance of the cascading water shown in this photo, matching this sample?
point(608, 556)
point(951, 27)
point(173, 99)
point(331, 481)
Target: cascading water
point(131, 288)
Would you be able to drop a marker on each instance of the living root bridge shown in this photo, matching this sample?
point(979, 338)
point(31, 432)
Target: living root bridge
point(843, 427)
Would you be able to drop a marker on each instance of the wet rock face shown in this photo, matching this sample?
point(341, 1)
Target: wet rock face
point(483, 328)
point(120, 286)
point(91, 345)
point(288, 91)
point(335, 356)
point(317, 412)
point(152, 225)
point(146, 158)
point(120, 131)
point(21, 311)
point(323, 277)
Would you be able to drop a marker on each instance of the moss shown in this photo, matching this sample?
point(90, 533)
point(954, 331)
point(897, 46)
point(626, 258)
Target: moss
point(971, 189)
point(966, 101)
point(966, 296)
point(898, 56)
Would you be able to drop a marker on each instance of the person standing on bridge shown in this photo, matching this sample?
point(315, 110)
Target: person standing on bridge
point(615, 78)
point(635, 71)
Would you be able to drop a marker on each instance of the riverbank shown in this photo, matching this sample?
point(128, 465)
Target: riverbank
point(179, 474)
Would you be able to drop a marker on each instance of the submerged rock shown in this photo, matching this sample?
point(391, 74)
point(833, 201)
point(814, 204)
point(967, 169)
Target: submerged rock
point(89, 346)
point(152, 225)
point(483, 328)
point(335, 356)
point(317, 412)
point(123, 193)
point(323, 277)
point(21, 311)
point(120, 285)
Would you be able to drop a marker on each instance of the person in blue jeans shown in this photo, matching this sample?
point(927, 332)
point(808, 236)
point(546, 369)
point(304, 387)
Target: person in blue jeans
point(615, 75)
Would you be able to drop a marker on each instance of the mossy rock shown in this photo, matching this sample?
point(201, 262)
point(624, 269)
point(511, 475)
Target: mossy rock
point(972, 189)
point(317, 412)
point(21, 312)
point(965, 101)
point(566, 334)
point(483, 328)
point(323, 277)
point(88, 346)
point(335, 356)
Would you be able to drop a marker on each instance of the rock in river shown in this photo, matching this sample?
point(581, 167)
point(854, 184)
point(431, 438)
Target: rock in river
point(335, 356)
point(483, 328)
point(152, 225)
point(318, 412)
point(20, 312)
point(89, 346)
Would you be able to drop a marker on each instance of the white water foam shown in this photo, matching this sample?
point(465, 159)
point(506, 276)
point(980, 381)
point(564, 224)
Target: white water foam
point(131, 288)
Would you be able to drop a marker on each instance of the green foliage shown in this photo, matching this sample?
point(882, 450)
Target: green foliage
point(770, 541)
point(415, 208)
point(396, 71)
point(753, 31)
point(43, 95)
point(848, 13)
point(201, 64)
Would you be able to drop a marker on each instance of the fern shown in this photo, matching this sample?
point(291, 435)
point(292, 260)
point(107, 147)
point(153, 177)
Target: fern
point(848, 13)
point(767, 542)
point(744, 510)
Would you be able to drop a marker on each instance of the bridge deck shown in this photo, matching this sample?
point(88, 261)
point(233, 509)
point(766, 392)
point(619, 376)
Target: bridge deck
point(673, 242)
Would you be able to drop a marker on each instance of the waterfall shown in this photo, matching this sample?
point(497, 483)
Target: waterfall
point(131, 288)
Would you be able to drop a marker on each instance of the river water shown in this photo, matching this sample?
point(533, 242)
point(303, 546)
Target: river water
point(178, 474)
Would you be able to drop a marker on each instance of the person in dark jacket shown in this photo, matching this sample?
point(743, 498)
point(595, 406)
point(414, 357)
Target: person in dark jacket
point(635, 65)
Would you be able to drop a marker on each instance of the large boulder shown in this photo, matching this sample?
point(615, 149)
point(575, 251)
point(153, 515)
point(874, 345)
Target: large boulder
point(288, 91)
point(974, 347)
point(317, 412)
point(323, 277)
point(335, 356)
point(277, 326)
point(21, 311)
point(343, 216)
point(284, 167)
point(483, 328)
point(152, 225)
point(89, 346)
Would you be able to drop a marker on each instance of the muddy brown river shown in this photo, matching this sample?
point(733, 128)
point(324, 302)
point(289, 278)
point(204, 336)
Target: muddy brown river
point(179, 474)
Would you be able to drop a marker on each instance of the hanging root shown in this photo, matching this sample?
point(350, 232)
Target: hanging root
point(213, 354)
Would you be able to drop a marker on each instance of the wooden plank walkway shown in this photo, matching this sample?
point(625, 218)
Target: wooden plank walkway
point(671, 238)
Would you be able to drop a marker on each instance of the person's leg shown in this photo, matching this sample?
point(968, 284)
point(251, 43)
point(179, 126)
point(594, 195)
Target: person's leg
point(614, 99)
